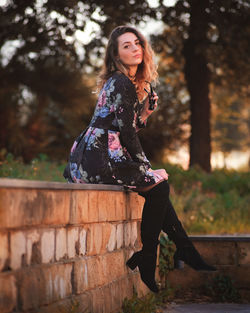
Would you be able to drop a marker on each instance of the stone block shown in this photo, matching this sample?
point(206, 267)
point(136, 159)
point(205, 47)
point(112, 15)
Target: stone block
point(120, 205)
point(239, 274)
point(133, 233)
point(24, 207)
point(140, 287)
point(33, 247)
point(120, 289)
point(188, 278)
point(73, 241)
point(119, 235)
point(107, 229)
point(4, 250)
point(96, 272)
point(127, 234)
point(97, 300)
point(77, 304)
point(82, 241)
point(93, 211)
point(48, 245)
point(245, 295)
point(217, 252)
point(94, 238)
point(244, 253)
point(80, 276)
point(8, 292)
point(134, 206)
point(138, 243)
point(113, 265)
point(103, 204)
point(112, 239)
point(116, 300)
point(111, 206)
point(61, 244)
point(42, 286)
point(107, 296)
point(126, 287)
point(79, 209)
point(18, 255)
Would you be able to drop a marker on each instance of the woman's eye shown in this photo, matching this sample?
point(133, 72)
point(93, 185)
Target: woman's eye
point(126, 47)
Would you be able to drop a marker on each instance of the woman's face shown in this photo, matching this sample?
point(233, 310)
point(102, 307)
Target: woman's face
point(130, 51)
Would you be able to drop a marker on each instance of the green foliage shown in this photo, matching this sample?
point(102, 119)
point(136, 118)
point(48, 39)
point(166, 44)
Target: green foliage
point(38, 169)
point(151, 303)
point(214, 203)
point(147, 304)
point(221, 289)
point(166, 256)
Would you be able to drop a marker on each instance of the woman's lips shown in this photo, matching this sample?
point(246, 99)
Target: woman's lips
point(138, 56)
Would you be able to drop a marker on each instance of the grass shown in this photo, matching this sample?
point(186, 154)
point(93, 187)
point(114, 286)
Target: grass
point(39, 169)
point(215, 203)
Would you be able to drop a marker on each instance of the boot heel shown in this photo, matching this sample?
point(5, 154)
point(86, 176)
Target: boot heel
point(133, 261)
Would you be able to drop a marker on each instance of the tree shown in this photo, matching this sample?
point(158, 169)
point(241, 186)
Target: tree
point(230, 124)
point(208, 30)
point(41, 81)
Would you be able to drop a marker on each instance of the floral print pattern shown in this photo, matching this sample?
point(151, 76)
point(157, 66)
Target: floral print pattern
point(109, 150)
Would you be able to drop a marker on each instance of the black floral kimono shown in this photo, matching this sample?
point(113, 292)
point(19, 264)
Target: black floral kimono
point(109, 150)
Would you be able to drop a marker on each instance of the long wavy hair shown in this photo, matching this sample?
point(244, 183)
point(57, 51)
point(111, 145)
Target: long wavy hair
point(146, 71)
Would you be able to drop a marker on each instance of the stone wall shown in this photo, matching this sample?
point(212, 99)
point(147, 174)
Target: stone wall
point(63, 249)
point(65, 245)
point(230, 255)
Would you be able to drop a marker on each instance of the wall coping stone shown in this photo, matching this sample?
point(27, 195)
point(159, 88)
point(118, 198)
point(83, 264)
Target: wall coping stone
point(234, 238)
point(36, 184)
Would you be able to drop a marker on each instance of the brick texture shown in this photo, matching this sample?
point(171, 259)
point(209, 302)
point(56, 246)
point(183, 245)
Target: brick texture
point(17, 250)
point(40, 286)
point(4, 250)
point(8, 292)
point(65, 251)
point(23, 207)
point(48, 245)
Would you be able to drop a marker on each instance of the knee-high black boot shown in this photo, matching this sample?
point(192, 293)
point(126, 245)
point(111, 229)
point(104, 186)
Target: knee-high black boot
point(185, 249)
point(152, 222)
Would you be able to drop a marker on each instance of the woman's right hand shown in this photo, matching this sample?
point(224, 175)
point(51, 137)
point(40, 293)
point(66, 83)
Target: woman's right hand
point(161, 172)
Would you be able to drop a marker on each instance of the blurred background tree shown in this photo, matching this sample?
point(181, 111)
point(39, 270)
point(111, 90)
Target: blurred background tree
point(45, 102)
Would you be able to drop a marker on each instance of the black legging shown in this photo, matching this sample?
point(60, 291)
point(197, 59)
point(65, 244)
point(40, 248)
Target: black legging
point(159, 214)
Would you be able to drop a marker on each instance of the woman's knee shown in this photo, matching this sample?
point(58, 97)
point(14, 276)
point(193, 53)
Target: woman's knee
point(160, 190)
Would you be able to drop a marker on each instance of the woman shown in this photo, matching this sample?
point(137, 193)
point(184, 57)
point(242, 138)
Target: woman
point(109, 151)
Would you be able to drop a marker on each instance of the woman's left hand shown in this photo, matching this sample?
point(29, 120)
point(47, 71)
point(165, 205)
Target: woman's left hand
point(146, 112)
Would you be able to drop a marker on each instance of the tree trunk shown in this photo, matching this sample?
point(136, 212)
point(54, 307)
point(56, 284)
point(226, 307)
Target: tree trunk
point(197, 76)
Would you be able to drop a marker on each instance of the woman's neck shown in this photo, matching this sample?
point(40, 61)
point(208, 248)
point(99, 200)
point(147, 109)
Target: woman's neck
point(132, 71)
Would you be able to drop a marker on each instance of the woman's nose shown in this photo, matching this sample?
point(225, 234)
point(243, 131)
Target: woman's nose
point(135, 47)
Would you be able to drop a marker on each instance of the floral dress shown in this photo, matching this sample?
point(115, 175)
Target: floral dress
point(109, 150)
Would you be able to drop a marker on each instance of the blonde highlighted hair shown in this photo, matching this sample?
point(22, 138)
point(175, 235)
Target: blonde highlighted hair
point(146, 71)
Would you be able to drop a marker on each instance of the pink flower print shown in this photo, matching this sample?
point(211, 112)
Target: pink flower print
point(102, 100)
point(114, 142)
point(74, 146)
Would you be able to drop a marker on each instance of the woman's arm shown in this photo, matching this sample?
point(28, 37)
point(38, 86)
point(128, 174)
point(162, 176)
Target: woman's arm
point(145, 112)
point(125, 99)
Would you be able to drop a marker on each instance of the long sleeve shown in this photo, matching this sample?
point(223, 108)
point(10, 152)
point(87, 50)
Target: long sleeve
point(126, 99)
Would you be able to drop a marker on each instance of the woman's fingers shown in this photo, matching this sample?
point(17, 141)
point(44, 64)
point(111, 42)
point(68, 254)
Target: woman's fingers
point(162, 173)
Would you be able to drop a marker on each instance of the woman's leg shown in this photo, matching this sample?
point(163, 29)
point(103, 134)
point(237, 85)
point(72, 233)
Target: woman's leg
point(185, 249)
point(153, 215)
